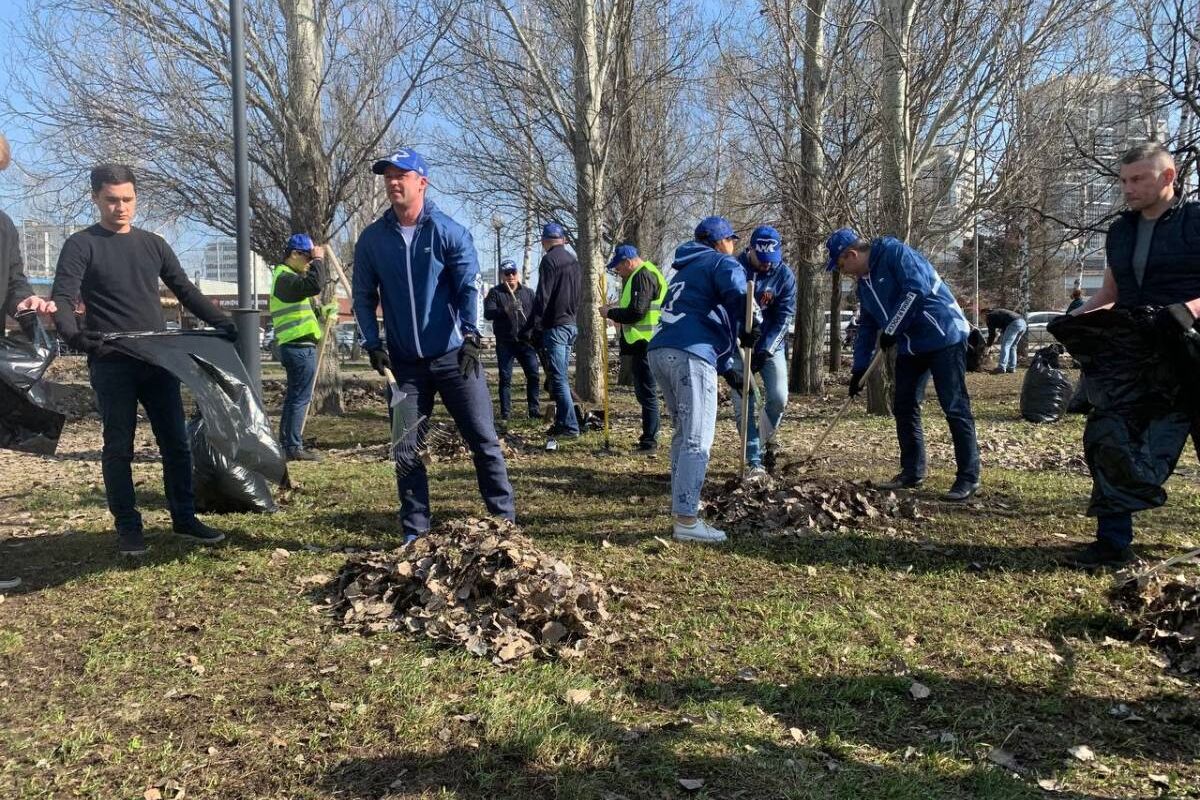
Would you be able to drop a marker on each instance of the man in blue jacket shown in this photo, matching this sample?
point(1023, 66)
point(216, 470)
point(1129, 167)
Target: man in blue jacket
point(421, 264)
point(775, 296)
point(904, 301)
point(699, 330)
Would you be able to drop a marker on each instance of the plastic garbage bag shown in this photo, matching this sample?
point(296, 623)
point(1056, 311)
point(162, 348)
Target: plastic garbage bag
point(29, 422)
point(1047, 389)
point(223, 487)
point(1142, 416)
point(236, 424)
point(976, 347)
point(1079, 403)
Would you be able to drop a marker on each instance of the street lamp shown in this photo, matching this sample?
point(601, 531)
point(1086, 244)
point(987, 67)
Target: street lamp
point(497, 223)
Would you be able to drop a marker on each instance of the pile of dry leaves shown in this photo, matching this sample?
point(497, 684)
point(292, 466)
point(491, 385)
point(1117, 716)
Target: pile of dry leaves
point(1166, 613)
point(772, 507)
point(479, 584)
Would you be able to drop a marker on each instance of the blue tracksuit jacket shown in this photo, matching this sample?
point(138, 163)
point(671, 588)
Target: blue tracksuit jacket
point(775, 294)
point(704, 306)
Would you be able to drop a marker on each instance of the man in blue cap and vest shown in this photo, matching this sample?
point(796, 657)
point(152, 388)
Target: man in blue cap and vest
point(508, 305)
point(904, 301)
point(775, 298)
point(642, 290)
point(551, 326)
point(700, 328)
point(422, 266)
point(299, 326)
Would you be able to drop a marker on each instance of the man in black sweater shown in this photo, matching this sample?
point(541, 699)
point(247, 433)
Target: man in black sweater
point(114, 269)
point(551, 326)
point(508, 305)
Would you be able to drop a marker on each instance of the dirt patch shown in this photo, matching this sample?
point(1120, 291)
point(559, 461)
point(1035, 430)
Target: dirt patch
point(476, 584)
point(769, 507)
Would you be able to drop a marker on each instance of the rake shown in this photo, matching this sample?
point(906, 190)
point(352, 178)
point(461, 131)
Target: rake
point(413, 448)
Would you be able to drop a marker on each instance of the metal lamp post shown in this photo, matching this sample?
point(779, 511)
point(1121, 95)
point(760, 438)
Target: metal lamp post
point(497, 224)
point(246, 314)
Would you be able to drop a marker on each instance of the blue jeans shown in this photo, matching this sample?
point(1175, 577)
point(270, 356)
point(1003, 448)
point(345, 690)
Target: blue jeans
point(558, 342)
point(646, 392)
point(948, 367)
point(121, 382)
point(300, 363)
point(774, 378)
point(506, 353)
point(689, 385)
point(1008, 343)
point(470, 405)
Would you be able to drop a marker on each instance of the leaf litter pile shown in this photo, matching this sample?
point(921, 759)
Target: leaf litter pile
point(478, 584)
point(1166, 613)
point(774, 506)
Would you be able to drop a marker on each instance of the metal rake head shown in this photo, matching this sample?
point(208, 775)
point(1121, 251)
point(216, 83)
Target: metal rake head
point(414, 447)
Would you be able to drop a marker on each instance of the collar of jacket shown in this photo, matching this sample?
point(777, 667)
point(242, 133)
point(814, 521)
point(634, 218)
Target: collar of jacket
point(426, 212)
point(1131, 216)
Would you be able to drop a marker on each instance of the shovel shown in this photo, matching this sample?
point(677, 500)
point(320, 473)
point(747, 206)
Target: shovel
point(603, 292)
point(746, 354)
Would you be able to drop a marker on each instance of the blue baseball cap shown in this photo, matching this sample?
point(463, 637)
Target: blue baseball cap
point(623, 252)
point(714, 229)
point(508, 266)
point(552, 230)
point(767, 244)
point(301, 242)
point(404, 158)
point(837, 243)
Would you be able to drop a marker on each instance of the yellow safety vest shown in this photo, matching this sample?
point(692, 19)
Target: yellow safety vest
point(643, 329)
point(292, 321)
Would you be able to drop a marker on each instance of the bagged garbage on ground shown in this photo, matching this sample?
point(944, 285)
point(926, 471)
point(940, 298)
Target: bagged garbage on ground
point(1165, 611)
point(477, 584)
point(29, 421)
point(1046, 389)
point(221, 486)
point(1079, 402)
point(976, 349)
point(1142, 415)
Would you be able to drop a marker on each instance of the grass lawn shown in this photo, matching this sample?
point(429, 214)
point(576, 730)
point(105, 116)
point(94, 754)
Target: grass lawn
point(766, 668)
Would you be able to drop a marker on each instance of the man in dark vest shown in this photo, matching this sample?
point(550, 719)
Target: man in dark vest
point(1153, 252)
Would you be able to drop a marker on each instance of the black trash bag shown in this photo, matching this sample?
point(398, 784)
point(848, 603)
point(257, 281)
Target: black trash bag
point(1142, 416)
point(236, 424)
point(1046, 389)
point(29, 421)
point(221, 486)
point(1079, 403)
point(976, 347)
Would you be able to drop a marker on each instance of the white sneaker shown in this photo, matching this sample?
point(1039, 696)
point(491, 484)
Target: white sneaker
point(698, 531)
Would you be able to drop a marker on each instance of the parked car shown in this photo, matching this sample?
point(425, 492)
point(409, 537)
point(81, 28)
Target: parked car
point(1036, 322)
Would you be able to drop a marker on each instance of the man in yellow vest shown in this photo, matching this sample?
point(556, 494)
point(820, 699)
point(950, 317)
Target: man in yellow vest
point(298, 324)
point(642, 290)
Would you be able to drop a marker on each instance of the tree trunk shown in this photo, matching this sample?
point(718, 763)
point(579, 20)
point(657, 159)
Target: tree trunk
point(308, 168)
point(835, 322)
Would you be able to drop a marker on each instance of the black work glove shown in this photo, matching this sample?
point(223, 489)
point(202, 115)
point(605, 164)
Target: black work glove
point(379, 360)
point(1174, 320)
point(468, 355)
point(735, 378)
point(227, 330)
point(856, 382)
point(757, 361)
point(749, 338)
point(90, 342)
point(887, 341)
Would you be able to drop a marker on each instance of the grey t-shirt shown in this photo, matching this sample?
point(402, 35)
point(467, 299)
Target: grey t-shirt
point(1141, 248)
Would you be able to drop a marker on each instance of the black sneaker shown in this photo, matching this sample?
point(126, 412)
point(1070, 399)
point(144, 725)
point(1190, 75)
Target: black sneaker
point(901, 481)
point(960, 491)
point(197, 531)
point(300, 454)
point(560, 431)
point(131, 543)
point(1100, 553)
point(646, 447)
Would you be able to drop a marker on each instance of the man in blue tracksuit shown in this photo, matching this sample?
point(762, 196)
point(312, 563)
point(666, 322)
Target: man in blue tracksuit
point(775, 296)
point(904, 301)
point(699, 330)
point(421, 264)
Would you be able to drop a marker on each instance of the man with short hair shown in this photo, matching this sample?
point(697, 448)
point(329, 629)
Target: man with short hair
point(775, 296)
point(637, 313)
point(508, 305)
point(701, 326)
point(114, 269)
point(422, 266)
point(903, 300)
point(299, 326)
point(1153, 253)
point(551, 326)
point(1009, 325)
point(16, 296)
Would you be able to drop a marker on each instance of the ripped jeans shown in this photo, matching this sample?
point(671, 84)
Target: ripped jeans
point(689, 385)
